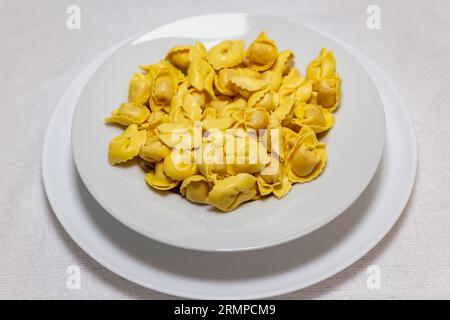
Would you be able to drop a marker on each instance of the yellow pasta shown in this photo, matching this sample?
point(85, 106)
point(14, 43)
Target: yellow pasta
point(179, 165)
point(273, 179)
point(200, 73)
point(179, 57)
point(164, 88)
point(226, 54)
point(307, 157)
point(262, 53)
point(129, 113)
point(159, 180)
point(230, 124)
point(314, 116)
point(195, 188)
point(329, 93)
point(230, 192)
point(154, 150)
point(126, 146)
point(139, 91)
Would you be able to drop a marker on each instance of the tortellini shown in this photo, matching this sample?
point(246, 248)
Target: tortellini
point(230, 192)
point(307, 157)
point(164, 88)
point(195, 188)
point(318, 118)
point(179, 57)
point(126, 146)
point(159, 180)
point(323, 67)
point(273, 180)
point(200, 73)
point(179, 164)
point(328, 93)
point(155, 119)
point(245, 85)
point(228, 125)
point(226, 54)
point(244, 153)
point(129, 113)
point(326, 82)
point(154, 150)
point(255, 118)
point(262, 53)
point(139, 91)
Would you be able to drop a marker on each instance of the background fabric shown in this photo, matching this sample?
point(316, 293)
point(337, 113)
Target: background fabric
point(40, 56)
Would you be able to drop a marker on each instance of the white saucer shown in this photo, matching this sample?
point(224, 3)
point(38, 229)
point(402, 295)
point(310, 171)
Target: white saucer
point(256, 274)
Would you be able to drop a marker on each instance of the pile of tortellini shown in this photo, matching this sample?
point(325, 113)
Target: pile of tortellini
point(228, 93)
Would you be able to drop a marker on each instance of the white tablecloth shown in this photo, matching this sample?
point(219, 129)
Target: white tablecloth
point(39, 57)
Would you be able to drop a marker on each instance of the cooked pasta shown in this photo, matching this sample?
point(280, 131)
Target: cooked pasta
point(228, 125)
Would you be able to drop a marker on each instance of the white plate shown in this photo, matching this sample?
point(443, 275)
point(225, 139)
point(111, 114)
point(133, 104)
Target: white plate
point(355, 144)
point(256, 274)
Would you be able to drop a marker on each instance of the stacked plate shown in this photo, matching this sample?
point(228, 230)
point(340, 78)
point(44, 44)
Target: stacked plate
point(264, 248)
